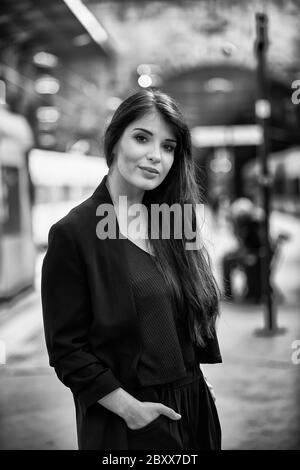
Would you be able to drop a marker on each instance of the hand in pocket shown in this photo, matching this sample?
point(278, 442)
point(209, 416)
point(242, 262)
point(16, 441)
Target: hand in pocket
point(147, 412)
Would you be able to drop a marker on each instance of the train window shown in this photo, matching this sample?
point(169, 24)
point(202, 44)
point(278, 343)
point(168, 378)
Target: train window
point(11, 216)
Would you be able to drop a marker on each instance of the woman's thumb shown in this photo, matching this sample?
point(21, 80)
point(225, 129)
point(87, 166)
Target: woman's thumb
point(170, 413)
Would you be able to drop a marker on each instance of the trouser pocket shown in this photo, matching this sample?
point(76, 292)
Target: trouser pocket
point(161, 434)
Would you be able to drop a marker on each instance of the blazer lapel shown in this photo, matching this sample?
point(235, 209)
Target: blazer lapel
point(117, 270)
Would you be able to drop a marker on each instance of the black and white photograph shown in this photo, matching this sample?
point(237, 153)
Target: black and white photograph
point(149, 227)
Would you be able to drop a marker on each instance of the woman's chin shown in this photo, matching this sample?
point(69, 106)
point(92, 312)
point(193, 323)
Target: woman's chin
point(146, 184)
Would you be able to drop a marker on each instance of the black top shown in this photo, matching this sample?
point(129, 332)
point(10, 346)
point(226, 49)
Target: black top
point(167, 349)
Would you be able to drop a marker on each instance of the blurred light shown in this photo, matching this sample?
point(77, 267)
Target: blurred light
point(218, 84)
point(220, 165)
point(145, 81)
point(82, 40)
point(45, 59)
point(263, 109)
point(88, 20)
point(149, 75)
point(48, 114)
point(2, 92)
point(47, 85)
point(113, 102)
point(144, 69)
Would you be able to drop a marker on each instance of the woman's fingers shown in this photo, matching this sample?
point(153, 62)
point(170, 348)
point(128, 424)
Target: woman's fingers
point(169, 412)
point(162, 410)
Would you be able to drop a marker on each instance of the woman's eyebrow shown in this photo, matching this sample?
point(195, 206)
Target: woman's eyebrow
point(150, 133)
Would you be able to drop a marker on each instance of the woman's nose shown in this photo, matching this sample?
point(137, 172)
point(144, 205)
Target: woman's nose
point(155, 155)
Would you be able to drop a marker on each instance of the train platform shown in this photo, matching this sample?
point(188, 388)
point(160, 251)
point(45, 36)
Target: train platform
point(257, 386)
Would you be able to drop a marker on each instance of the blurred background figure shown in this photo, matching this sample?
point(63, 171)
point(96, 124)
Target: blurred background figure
point(246, 220)
point(246, 226)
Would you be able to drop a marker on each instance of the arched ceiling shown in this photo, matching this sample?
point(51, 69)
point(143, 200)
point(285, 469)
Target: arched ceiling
point(225, 95)
point(184, 34)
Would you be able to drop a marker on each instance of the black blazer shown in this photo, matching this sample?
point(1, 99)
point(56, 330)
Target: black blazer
point(90, 321)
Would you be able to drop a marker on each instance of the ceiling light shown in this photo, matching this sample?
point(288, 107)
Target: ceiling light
point(88, 20)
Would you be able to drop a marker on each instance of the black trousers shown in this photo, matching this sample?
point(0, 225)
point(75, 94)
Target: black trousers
point(198, 429)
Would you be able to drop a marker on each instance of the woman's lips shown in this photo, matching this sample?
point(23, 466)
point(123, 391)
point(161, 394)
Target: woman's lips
point(149, 172)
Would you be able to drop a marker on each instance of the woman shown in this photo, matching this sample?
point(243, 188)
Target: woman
point(128, 317)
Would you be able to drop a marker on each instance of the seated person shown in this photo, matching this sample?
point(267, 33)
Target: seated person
point(247, 229)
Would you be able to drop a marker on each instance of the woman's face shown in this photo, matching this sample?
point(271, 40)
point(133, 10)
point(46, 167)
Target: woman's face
point(147, 142)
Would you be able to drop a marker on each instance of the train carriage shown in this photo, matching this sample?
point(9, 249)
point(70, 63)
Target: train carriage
point(61, 181)
point(17, 251)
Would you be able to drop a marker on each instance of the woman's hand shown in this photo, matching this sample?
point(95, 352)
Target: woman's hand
point(136, 413)
point(146, 412)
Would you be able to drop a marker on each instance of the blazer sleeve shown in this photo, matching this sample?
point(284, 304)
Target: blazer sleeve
point(67, 317)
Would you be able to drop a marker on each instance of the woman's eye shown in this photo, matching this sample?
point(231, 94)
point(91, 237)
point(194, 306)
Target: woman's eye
point(169, 148)
point(140, 138)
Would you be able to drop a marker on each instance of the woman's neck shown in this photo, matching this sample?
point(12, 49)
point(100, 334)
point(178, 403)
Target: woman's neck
point(118, 186)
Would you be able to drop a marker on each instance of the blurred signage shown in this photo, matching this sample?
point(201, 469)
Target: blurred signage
point(219, 136)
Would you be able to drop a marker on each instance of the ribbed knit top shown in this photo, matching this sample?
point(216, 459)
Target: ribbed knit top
point(166, 347)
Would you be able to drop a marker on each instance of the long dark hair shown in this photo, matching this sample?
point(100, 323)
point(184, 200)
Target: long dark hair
point(187, 272)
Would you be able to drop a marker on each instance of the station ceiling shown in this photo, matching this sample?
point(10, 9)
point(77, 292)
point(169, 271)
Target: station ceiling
point(190, 33)
point(175, 34)
point(43, 24)
point(211, 37)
